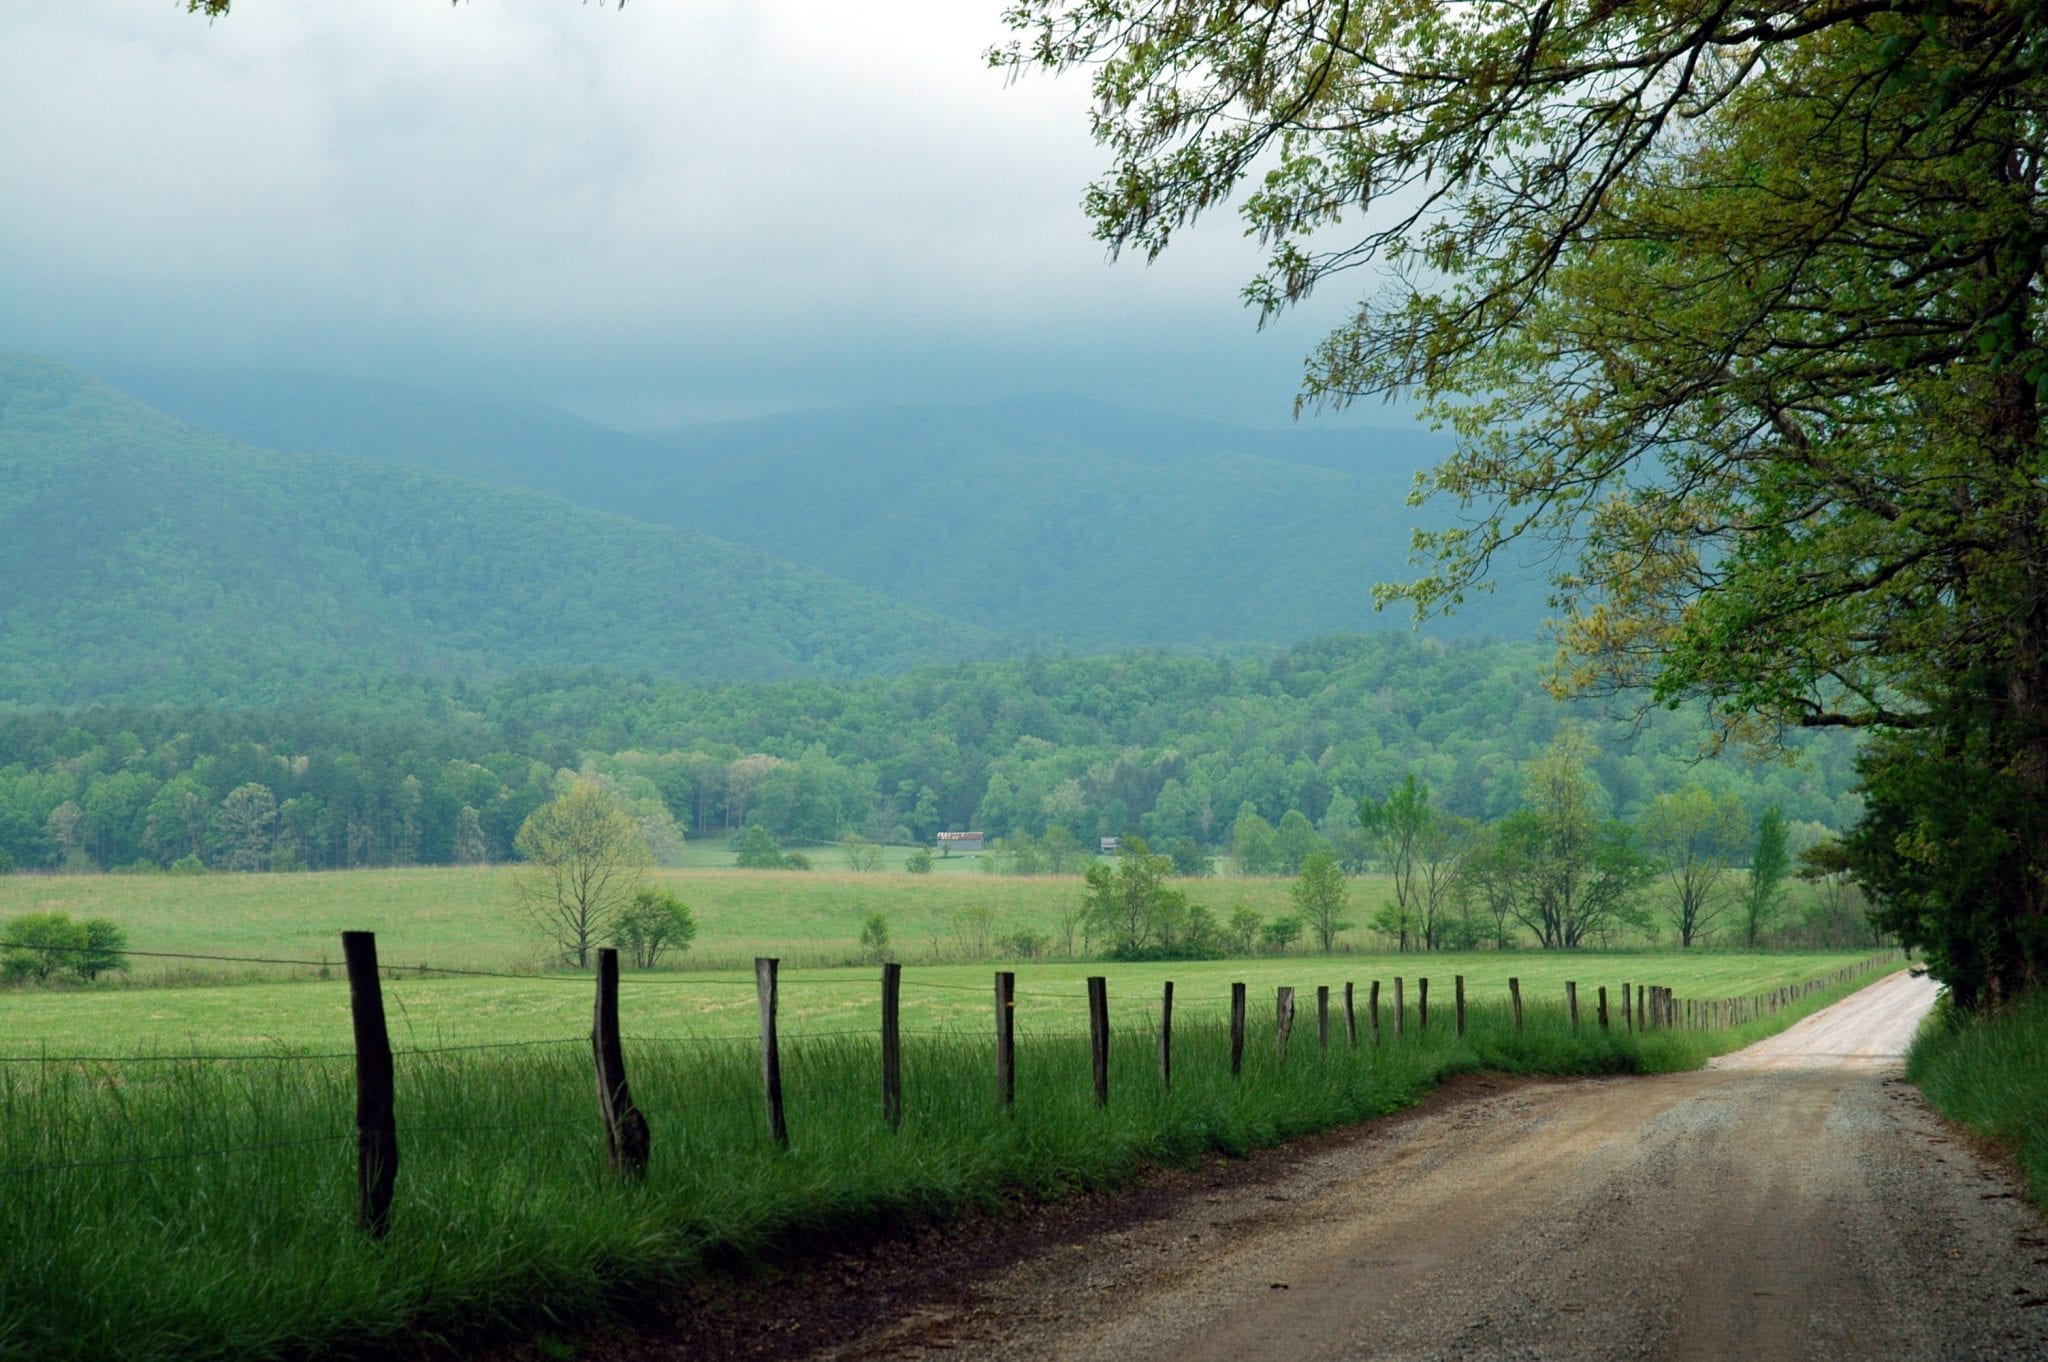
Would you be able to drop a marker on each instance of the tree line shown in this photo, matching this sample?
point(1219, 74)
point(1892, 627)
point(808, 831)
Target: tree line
point(1252, 757)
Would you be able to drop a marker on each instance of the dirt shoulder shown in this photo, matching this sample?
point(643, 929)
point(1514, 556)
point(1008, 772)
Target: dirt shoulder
point(1800, 1201)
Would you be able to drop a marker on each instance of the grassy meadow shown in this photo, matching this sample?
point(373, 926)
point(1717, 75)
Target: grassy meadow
point(173, 1210)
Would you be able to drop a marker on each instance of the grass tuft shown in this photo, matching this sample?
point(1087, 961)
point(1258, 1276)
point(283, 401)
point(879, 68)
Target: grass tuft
point(1991, 1074)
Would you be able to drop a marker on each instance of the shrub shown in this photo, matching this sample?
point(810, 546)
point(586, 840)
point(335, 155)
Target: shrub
point(874, 937)
point(38, 945)
point(759, 850)
point(188, 865)
point(919, 861)
point(654, 921)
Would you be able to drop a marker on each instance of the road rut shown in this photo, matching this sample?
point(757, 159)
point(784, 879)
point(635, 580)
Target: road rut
point(1796, 1200)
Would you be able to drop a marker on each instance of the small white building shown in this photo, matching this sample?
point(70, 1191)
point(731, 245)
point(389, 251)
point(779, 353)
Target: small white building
point(950, 842)
point(1111, 845)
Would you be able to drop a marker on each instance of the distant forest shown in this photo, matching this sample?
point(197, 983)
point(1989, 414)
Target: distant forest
point(1169, 746)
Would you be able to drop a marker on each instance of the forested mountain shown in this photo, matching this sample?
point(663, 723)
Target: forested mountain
point(140, 559)
point(1067, 521)
point(1171, 746)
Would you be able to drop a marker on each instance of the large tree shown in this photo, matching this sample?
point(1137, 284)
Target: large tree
point(1739, 303)
point(584, 861)
point(1694, 837)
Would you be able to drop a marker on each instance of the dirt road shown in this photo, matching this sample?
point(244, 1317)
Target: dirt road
point(1797, 1200)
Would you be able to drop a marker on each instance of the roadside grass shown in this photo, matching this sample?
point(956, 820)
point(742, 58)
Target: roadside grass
point(1991, 1075)
point(136, 1237)
point(311, 1015)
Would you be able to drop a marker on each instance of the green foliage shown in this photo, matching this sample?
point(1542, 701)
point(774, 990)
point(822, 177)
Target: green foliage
point(1767, 866)
point(1189, 860)
point(584, 858)
point(795, 860)
point(862, 855)
point(1131, 906)
point(759, 850)
point(1319, 897)
point(188, 865)
point(1656, 290)
point(1282, 932)
point(1694, 837)
point(218, 572)
point(1990, 1073)
point(653, 922)
point(1243, 926)
point(105, 944)
point(38, 946)
point(919, 861)
point(874, 936)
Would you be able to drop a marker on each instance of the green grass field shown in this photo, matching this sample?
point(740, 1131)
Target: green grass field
point(312, 1015)
point(472, 918)
point(179, 1210)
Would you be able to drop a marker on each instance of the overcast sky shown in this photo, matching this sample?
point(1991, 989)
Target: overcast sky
point(681, 209)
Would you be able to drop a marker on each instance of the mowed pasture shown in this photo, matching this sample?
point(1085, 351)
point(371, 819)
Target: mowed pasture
point(472, 917)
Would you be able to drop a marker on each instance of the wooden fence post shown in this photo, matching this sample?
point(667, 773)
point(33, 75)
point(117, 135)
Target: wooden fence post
point(1373, 1006)
point(1006, 1039)
point(1571, 1002)
point(1283, 1020)
point(1323, 1016)
point(771, 1050)
point(625, 1129)
point(376, 1125)
point(1166, 1038)
point(1628, 1021)
point(1458, 989)
point(1603, 1007)
point(892, 1045)
point(1515, 997)
point(1400, 1009)
point(1422, 1004)
point(1236, 1029)
point(1350, 1017)
point(1098, 1034)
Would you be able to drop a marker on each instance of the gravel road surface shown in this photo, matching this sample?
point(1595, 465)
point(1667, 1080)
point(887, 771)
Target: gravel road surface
point(1796, 1200)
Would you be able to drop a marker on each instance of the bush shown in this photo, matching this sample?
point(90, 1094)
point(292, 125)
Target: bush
point(796, 860)
point(655, 921)
point(36, 946)
point(1026, 945)
point(106, 942)
point(874, 937)
point(188, 865)
point(919, 862)
point(759, 850)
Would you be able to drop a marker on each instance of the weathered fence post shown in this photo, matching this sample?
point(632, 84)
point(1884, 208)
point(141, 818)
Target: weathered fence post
point(1006, 1039)
point(1350, 1017)
point(1422, 1004)
point(1571, 1002)
point(1283, 1020)
point(625, 1129)
point(771, 1049)
point(1236, 1029)
point(1400, 1009)
point(1628, 1021)
point(1458, 989)
point(1603, 1007)
point(1323, 1016)
point(892, 1045)
point(376, 1125)
point(1098, 1034)
point(1166, 1038)
point(1373, 1006)
point(1515, 997)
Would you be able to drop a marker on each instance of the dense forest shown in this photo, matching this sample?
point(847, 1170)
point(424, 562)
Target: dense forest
point(1071, 522)
point(142, 560)
point(1168, 746)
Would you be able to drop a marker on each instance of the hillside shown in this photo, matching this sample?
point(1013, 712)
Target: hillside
point(140, 559)
point(1064, 520)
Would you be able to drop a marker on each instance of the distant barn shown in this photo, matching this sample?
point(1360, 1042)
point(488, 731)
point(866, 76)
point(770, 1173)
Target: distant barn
point(950, 842)
point(1110, 845)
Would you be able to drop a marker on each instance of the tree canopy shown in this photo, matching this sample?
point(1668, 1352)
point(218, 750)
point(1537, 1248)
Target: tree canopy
point(1739, 305)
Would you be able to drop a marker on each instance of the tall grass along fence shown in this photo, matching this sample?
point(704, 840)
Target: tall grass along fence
point(197, 1205)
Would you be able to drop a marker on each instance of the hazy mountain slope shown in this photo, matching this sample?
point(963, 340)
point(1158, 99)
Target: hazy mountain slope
point(1054, 517)
point(140, 559)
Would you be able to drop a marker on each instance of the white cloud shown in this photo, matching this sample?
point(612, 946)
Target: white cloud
point(541, 178)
